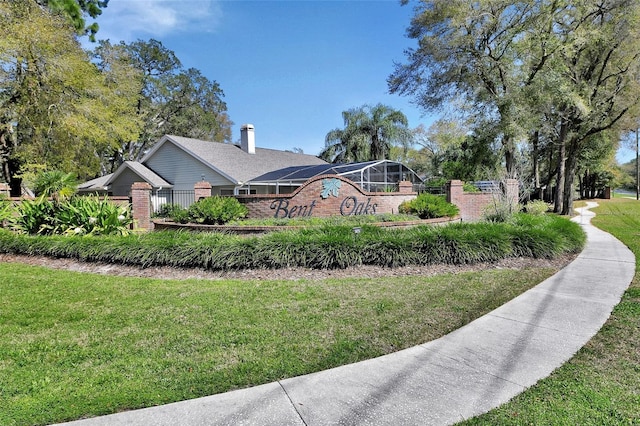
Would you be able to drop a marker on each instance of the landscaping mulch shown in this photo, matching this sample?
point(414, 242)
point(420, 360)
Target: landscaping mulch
point(363, 271)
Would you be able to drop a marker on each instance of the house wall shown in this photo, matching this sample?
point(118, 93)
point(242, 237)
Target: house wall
point(309, 200)
point(122, 186)
point(182, 170)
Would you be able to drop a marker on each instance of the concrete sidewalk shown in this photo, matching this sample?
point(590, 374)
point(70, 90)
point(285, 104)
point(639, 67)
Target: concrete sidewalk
point(460, 375)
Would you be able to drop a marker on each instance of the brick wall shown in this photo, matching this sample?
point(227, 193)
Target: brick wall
point(472, 205)
point(308, 200)
point(316, 199)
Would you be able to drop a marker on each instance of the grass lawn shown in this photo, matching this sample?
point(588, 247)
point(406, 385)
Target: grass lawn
point(601, 384)
point(74, 345)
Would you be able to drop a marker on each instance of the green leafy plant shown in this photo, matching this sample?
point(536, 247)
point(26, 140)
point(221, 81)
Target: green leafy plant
point(169, 209)
point(537, 207)
point(75, 216)
point(216, 210)
point(6, 210)
point(429, 206)
point(33, 217)
point(92, 215)
point(500, 211)
point(469, 187)
point(180, 215)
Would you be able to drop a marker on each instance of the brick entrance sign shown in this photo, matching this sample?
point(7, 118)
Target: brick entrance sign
point(325, 196)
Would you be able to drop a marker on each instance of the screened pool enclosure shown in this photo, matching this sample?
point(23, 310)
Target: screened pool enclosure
point(371, 176)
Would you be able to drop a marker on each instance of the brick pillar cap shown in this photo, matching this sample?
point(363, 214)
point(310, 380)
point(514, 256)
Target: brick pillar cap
point(405, 186)
point(202, 185)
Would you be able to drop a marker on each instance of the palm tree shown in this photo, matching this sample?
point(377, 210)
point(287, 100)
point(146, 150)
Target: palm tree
point(368, 134)
point(55, 184)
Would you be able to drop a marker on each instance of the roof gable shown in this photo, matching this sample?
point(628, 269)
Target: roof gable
point(143, 172)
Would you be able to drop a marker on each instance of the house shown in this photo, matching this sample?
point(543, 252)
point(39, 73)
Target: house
point(175, 164)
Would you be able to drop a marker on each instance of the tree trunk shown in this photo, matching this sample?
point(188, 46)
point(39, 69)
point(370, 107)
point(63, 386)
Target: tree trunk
point(535, 140)
point(509, 156)
point(5, 175)
point(570, 172)
point(584, 185)
point(560, 177)
point(548, 196)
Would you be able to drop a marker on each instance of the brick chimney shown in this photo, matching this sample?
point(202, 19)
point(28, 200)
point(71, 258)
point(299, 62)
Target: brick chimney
point(248, 138)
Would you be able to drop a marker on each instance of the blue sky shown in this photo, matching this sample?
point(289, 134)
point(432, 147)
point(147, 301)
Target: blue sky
point(288, 67)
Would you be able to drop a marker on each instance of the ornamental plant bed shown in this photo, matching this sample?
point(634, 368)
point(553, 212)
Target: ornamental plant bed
point(321, 247)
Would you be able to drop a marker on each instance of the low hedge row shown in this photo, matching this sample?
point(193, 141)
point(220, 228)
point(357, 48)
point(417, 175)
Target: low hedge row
point(324, 247)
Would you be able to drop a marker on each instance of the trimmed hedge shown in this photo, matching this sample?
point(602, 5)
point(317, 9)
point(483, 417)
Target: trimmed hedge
point(326, 247)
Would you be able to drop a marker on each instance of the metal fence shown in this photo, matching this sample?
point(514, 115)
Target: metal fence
point(421, 187)
point(167, 196)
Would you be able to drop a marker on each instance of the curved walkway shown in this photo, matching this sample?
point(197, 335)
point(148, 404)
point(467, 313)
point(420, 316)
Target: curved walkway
point(463, 374)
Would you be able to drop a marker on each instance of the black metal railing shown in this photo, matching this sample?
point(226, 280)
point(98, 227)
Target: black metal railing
point(183, 198)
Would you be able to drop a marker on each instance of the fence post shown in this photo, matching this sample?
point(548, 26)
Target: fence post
point(201, 189)
point(141, 205)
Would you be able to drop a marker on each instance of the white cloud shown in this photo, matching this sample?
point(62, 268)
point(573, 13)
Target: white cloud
point(129, 20)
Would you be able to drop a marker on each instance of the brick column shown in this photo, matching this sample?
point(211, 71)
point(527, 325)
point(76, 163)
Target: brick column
point(455, 192)
point(202, 189)
point(405, 187)
point(141, 204)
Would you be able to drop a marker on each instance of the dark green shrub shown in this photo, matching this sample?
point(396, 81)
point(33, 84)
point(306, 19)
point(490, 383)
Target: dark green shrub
point(429, 206)
point(216, 210)
point(180, 215)
point(175, 212)
point(169, 209)
point(469, 187)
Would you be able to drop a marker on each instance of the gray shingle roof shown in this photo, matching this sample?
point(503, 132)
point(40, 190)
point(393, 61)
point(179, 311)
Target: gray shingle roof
point(235, 163)
point(97, 184)
point(149, 176)
point(100, 184)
